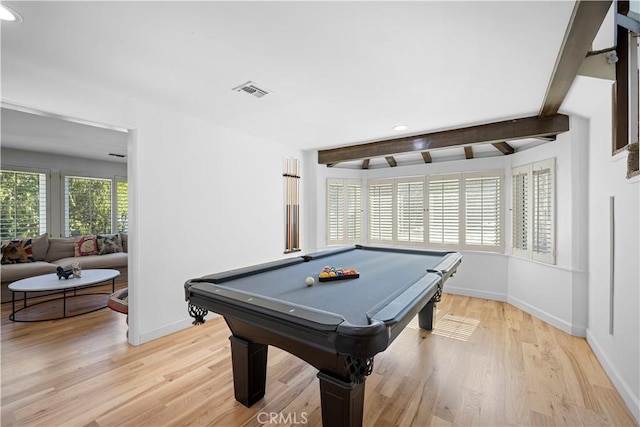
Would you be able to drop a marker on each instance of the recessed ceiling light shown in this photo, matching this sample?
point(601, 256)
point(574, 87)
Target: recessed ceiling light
point(10, 15)
point(400, 127)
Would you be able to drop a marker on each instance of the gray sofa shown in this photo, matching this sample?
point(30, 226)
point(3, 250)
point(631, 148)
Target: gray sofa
point(51, 252)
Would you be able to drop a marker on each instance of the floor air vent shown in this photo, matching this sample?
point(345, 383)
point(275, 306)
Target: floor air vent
point(251, 89)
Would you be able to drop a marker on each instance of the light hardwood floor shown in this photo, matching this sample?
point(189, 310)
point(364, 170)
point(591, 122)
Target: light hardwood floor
point(486, 364)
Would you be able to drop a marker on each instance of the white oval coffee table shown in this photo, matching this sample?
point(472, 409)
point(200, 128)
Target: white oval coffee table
point(51, 282)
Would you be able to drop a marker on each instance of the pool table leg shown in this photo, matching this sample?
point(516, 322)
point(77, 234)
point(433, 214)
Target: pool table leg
point(342, 402)
point(426, 316)
point(249, 370)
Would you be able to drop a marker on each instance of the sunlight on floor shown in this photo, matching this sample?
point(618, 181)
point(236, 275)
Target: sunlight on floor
point(450, 326)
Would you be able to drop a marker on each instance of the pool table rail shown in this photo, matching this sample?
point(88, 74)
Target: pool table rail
point(327, 330)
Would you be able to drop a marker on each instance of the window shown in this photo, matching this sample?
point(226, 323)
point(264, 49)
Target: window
point(483, 211)
point(381, 211)
point(453, 211)
point(23, 209)
point(534, 211)
point(87, 205)
point(344, 211)
point(410, 210)
point(122, 205)
point(444, 210)
point(521, 197)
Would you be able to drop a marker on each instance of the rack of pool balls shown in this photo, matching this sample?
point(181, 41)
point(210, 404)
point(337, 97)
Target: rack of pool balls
point(332, 273)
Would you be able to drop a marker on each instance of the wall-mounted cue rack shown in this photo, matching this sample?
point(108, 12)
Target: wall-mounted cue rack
point(292, 201)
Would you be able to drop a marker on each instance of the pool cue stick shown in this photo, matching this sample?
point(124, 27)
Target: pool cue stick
point(289, 204)
point(287, 201)
point(293, 205)
point(286, 207)
point(297, 192)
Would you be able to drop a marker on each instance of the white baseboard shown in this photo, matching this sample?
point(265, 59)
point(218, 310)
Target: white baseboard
point(165, 330)
point(563, 325)
point(632, 401)
point(494, 296)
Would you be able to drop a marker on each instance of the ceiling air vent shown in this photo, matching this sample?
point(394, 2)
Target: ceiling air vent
point(252, 89)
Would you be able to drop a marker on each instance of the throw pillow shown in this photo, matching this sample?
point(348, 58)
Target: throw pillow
point(109, 246)
point(109, 240)
point(86, 245)
point(17, 251)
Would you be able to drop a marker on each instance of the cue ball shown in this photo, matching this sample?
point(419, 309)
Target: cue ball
point(310, 281)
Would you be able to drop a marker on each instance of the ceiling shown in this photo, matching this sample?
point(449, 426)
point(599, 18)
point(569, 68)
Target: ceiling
point(36, 132)
point(339, 73)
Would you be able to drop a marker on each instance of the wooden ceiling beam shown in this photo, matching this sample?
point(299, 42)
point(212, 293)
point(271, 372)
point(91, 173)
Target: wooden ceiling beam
point(468, 152)
point(365, 164)
point(586, 19)
point(392, 162)
point(426, 157)
point(528, 127)
point(621, 86)
point(504, 148)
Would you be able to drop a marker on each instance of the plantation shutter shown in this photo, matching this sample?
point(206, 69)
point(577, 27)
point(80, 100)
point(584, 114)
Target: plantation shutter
point(483, 212)
point(344, 211)
point(381, 211)
point(444, 210)
point(520, 211)
point(335, 208)
point(543, 211)
point(23, 204)
point(353, 203)
point(410, 211)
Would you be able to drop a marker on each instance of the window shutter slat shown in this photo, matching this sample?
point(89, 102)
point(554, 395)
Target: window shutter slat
point(344, 211)
point(483, 216)
point(354, 213)
point(520, 211)
point(336, 212)
point(410, 211)
point(381, 212)
point(444, 211)
point(542, 211)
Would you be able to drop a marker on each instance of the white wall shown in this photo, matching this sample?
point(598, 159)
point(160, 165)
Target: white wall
point(202, 198)
point(558, 293)
point(56, 165)
point(619, 352)
point(216, 193)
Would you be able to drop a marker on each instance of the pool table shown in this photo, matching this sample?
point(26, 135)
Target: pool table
point(337, 326)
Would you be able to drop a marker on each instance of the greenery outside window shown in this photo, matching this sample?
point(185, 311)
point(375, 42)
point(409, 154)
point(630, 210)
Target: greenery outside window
point(122, 205)
point(87, 206)
point(23, 204)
